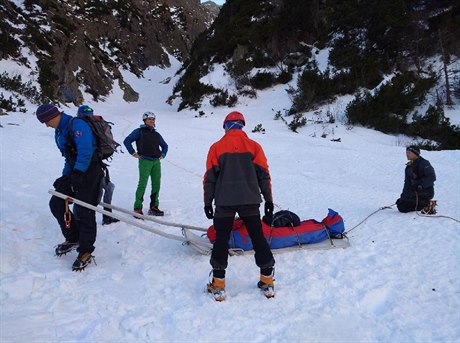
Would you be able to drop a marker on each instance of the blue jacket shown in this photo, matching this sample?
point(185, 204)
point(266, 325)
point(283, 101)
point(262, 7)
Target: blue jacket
point(135, 136)
point(84, 141)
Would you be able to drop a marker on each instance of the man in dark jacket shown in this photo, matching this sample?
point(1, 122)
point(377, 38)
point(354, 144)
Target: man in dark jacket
point(236, 174)
point(419, 181)
point(80, 179)
point(151, 148)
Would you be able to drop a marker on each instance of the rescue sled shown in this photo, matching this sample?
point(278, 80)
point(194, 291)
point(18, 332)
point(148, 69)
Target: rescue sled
point(308, 234)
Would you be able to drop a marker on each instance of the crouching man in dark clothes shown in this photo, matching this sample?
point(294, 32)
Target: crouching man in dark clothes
point(418, 187)
point(80, 179)
point(236, 174)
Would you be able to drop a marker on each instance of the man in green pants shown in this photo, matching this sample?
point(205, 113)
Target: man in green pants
point(151, 148)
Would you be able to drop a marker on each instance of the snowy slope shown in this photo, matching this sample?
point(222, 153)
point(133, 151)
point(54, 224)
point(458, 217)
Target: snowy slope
point(398, 282)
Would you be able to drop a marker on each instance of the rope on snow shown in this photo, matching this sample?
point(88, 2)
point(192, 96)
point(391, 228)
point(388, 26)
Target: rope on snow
point(430, 215)
point(390, 206)
point(370, 215)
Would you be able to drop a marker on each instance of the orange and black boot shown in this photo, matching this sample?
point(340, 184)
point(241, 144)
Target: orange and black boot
point(82, 261)
point(217, 288)
point(266, 285)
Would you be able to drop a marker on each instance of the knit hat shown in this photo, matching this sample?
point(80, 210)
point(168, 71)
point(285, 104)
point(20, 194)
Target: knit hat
point(46, 112)
point(85, 110)
point(413, 149)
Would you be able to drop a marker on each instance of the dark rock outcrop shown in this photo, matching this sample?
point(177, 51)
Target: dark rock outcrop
point(84, 44)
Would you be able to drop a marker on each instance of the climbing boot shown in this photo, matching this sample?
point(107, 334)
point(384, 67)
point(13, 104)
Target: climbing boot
point(82, 261)
point(430, 209)
point(153, 211)
point(107, 220)
point(65, 247)
point(266, 285)
point(138, 210)
point(217, 288)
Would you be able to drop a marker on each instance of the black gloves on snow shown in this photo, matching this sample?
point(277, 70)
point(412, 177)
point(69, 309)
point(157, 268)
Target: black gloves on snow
point(268, 208)
point(209, 212)
point(76, 180)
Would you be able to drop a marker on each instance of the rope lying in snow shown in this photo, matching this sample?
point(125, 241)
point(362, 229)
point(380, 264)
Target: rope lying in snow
point(430, 215)
point(182, 168)
point(436, 216)
point(370, 215)
point(387, 207)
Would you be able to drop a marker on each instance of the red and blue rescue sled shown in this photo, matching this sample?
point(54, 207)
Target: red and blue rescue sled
point(297, 233)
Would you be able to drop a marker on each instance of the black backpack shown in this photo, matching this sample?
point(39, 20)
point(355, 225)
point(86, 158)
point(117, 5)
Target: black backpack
point(102, 130)
point(282, 219)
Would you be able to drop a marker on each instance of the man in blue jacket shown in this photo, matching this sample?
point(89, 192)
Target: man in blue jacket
point(151, 148)
point(418, 187)
point(80, 179)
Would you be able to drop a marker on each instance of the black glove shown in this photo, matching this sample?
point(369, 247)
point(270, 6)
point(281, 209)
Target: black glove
point(62, 184)
point(209, 212)
point(268, 208)
point(76, 180)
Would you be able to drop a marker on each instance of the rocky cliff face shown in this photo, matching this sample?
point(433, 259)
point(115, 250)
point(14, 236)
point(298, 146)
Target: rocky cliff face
point(83, 44)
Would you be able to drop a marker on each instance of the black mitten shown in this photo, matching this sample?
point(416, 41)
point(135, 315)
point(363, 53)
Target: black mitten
point(76, 180)
point(209, 212)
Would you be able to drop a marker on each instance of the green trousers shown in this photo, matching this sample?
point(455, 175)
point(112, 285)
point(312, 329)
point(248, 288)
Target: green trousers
point(152, 169)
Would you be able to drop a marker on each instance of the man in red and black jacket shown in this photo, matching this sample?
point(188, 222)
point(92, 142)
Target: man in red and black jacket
point(236, 174)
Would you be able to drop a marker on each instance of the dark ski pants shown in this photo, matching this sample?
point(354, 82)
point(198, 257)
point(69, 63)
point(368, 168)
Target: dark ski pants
point(405, 205)
point(107, 188)
point(106, 193)
point(83, 227)
point(223, 223)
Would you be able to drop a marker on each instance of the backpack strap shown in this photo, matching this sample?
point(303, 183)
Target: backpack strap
point(70, 142)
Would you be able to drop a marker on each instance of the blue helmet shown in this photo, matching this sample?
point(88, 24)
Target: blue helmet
point(85, 110)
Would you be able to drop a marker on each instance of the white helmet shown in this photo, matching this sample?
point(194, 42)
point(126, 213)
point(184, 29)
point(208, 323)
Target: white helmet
point(148, 114)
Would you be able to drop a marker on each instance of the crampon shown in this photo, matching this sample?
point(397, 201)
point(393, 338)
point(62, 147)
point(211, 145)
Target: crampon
point(430, 209)
point(267, 286)
point(82, 262)
point(217, 289)
point(64, 248)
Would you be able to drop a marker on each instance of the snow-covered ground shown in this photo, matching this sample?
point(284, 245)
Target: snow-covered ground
point(398, 282)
